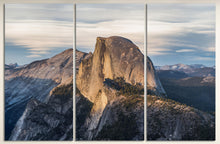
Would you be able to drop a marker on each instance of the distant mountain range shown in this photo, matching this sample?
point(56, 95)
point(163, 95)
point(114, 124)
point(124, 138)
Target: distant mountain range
point(188, 83)
point(180, 67)
point(191, 70)
point(11, 66)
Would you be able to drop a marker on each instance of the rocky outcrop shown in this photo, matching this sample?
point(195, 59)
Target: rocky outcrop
point(79, 56)
point(113, 57)
point(36, 80)
point(122, 118)
point(153, 82)
point(170, 120)
point(119, 116)
point(47, 121)
point(116, 60)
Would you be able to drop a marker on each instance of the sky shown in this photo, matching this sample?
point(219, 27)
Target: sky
point(177, 33)
point(37, 31)
point(104, 20)
point(181, 33)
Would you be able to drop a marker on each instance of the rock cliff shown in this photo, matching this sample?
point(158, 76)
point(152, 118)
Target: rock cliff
point(110, 87)
point(113, 57)
point(36, 80)
point(153, 81)
point(47, 121)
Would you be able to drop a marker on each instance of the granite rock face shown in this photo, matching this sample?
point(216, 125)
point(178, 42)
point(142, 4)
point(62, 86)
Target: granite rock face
point(113, 57)
point(112, 113)
point(153, 81)
point(36, 80)
point(79, 57)
point(47, 121)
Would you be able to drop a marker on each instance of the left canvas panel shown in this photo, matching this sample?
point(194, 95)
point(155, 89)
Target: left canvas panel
point(38, 72)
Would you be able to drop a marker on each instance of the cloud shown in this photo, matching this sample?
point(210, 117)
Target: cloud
point(158, 51)
point(33, 56)
point(180, 28)
point(106, 20)
point(133, 30)
point(185, 50)
point(211, 49)
point(94, 13)
point(39, 37)
point(39, 28)
point(57, 12)
point(204, 58)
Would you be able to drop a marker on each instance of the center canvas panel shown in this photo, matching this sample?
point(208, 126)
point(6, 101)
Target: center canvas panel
point(109, 72)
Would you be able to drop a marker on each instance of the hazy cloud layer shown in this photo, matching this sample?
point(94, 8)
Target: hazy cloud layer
point(93, 20)
point(181, 30)
point(39, 29)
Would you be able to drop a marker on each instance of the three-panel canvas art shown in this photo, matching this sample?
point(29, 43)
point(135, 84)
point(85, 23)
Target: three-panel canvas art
point(133, 67)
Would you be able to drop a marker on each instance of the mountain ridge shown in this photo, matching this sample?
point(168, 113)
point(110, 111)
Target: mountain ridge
point(35, 80)
point(191, 70)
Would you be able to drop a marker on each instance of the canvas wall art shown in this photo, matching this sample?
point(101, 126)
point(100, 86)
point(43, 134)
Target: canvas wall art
point(38, 72)
point(109, 72)
point(181, 72)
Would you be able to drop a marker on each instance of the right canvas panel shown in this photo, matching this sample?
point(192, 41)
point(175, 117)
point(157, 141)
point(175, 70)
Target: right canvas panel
point(181, 72)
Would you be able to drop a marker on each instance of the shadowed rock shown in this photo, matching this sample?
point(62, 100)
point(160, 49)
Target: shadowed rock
point(153, 82)
point(36, 80)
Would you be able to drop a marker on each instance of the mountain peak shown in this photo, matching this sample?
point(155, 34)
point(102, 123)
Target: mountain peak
point(117, 42)
point(113, 57)
point(66, 52)
point(11, 66)
point(119, 38)
point(57, 68)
